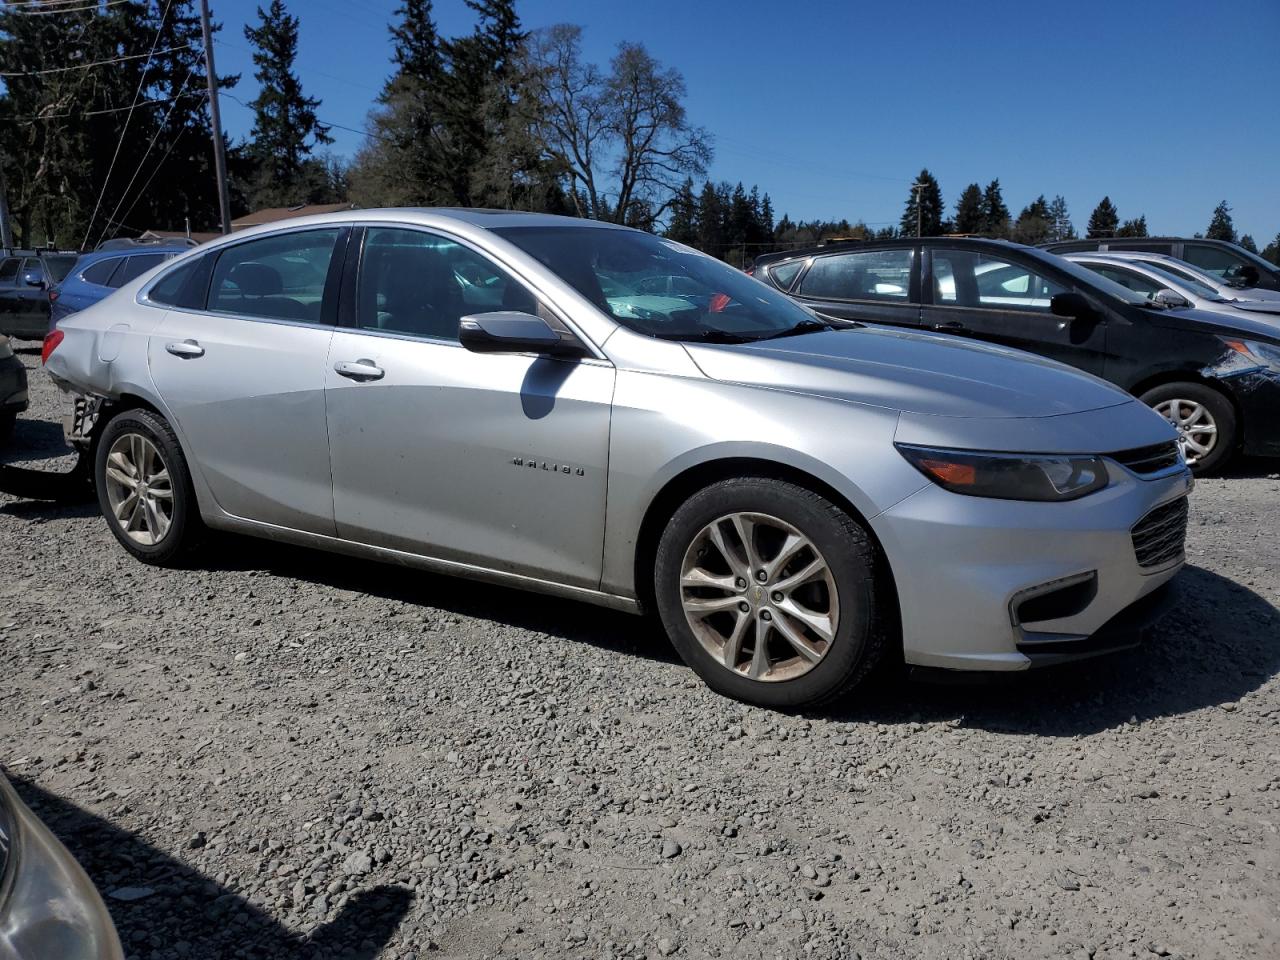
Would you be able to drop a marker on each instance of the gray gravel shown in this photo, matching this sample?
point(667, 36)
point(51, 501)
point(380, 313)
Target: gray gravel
point(281, 754)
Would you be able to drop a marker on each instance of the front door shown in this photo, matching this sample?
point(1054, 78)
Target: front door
point(244, 378)
point(494, 460)
point(1000, 299)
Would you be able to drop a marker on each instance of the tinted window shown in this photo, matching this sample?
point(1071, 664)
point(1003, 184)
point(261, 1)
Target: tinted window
point(1173, 268)
point(100, 272)
point(1215, 260)
point(1127, 278)
point(873, 275)
point(968, 279)
point(134, 267)
point(421, 284)
point(279, 277)
point(784, 274)
point(9, 270)
point(1145, 245)
point(31, 267)
point(59, 267)
point(181, 287)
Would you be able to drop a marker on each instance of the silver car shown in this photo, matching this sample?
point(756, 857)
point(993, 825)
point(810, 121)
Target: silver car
point(796, 500)
point(48, 907)
point(1167, 283)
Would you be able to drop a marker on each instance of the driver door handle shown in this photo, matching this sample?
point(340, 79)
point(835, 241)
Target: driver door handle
point(359, 370)
point(186, 349)
point(949, 325)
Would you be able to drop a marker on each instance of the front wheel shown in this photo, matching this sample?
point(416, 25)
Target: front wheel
point(1204, 419)
point(144, 488)
point(768, 591)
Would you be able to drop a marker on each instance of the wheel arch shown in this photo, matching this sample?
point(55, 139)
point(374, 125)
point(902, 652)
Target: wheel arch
point(1199, 379)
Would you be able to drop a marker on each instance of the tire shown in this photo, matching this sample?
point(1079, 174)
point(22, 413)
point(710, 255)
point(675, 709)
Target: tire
point(1197, 405)
point(143, 532)
point(773, 512)
point(8, 419)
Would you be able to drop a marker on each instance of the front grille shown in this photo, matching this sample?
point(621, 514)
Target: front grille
point(1159, 537)
point(1152, 459)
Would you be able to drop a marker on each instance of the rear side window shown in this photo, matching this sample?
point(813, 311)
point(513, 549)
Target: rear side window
point(784, 274)
point(278, 277)
point(964, 278)
point(183, 286)
point(134, 267)
point(59, 267)
point(101, 271)
point(32, 265)
point(9, 270)
point(871, 275)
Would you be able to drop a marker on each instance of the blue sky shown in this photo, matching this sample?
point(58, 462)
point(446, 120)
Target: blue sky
point(832, 108)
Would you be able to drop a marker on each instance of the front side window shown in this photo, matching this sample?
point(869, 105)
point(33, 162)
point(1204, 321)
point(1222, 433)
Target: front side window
point(280, 277)
point(1136, 282)
point(421, 284)
point(32, 267)
point(1215, 260)
point(9, 269)
point(133, 267)
point(966, 278)
point(869, 275)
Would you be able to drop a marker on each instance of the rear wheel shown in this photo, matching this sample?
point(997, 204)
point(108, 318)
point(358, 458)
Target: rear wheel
point(144, 488)
point(1204, 419)
point(768, 592)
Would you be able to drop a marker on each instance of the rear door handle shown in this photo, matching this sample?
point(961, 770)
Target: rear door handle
point(359, 370)
point(186, 349)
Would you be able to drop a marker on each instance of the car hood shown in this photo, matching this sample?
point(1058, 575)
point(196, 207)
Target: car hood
point(1257, 326)
point(914, 372)
point(1258, 306)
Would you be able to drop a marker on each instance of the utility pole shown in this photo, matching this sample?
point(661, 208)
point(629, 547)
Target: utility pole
point(6, 231)
point(917, 187)
point(215, 115)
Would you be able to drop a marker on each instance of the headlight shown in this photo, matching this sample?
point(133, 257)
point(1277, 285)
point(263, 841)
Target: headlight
point(1009, 476)
point(1262, 354)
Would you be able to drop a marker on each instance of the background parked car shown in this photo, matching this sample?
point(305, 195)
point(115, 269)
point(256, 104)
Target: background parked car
point(13, 389)
point(1218, 257)
point(98, 274)
point(48, 907)
point(25, 279)
point(1216, 378)
point(1233, 290)
point(1156, 283)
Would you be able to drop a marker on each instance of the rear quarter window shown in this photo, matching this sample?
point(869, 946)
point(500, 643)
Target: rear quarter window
point(99, 273)
point(784, 274)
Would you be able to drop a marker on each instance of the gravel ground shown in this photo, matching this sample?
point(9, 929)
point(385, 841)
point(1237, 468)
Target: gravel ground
point(281, 754)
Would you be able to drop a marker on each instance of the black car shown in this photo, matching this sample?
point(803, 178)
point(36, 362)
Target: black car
point(25, 279)
point(13, 389)
point(1216, 378)
point(1233, 263)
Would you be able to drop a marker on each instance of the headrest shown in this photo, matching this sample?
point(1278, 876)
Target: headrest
point(256, 279)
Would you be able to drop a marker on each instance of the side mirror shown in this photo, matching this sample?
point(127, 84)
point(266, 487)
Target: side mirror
point(1071, 305)
point(1170, 298)
point(512, 332)
point(33, 279)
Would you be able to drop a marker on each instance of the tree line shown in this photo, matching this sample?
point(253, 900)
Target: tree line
point(104, 131)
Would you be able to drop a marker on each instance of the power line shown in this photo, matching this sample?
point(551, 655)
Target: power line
point(36, 117)
point(95, 7)
point(322, 121)
point(96, 63)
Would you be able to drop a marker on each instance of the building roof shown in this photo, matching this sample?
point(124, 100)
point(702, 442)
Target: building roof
point(179, 235)
point(272, 214)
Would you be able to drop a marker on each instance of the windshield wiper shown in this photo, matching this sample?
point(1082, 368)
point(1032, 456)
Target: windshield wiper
point(806, 326)
point(707, 336)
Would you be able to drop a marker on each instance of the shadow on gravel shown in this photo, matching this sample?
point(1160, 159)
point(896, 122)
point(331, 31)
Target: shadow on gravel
point(1251, 468)
point(44, 510)
point(187, 907)
point(35, 440)
point(567, 619)
point(1219, 642)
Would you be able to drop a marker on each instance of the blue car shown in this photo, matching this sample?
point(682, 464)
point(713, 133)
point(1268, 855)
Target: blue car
point(98, 274)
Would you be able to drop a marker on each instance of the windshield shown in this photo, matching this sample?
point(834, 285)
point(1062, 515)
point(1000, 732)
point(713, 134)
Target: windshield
point(1175, 282)
point(1088, 278)
point(661, 288)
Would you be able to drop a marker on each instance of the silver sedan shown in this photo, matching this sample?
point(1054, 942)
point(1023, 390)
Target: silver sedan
point(501, 396)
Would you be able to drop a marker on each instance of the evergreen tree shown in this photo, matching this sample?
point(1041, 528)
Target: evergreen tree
point(1272, 251)
point(995, 215)
point(1246, 241)
point(1104, 220)
point(683, 224)
point(1133, 228)
point(711, 216)
point(1060, 227)
point(969, 213)
point(924, 207)
point(1221, 227)
point(1034, 222)
point(766, 217)
point(284, 119)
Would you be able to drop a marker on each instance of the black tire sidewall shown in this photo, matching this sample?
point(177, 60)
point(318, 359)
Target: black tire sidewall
point(850, 558)
point(177, 540)
point(1219, 406)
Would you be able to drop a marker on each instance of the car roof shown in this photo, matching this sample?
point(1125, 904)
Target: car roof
point(833, 246)
point(93, 256)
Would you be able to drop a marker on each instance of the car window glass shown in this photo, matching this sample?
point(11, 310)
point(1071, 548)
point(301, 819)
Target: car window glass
point(32, 267)
point(1146, 246)
point(871, 275)
point(1214, 260)
point(421, 284)
point(134, 267)
point(59, 267)
point(9, 269)
point(1128, 278)
point(100, 272)
point(171, 289)
point(969, 279)
point(784, 274)
point(280, 277)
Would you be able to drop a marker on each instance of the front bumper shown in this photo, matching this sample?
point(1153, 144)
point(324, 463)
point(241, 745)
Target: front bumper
point(1258, 395)
point(964, 566)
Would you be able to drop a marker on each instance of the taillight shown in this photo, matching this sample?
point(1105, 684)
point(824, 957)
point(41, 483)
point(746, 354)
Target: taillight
point(53, 296)
point(51, 341)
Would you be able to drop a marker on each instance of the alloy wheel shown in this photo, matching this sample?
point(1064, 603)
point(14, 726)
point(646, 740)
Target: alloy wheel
point(139, 489)
point(1197, 430)
point(759, 596)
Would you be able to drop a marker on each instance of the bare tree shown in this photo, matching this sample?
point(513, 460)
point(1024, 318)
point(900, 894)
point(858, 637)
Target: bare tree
point(625, 139)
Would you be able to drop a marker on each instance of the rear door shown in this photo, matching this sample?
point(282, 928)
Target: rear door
point(29, 316)
point(243, 374)
point(1003, 299)
point(877, 286)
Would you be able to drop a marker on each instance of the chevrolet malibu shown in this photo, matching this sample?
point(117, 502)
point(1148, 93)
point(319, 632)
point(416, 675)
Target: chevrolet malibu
point(493, 395)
